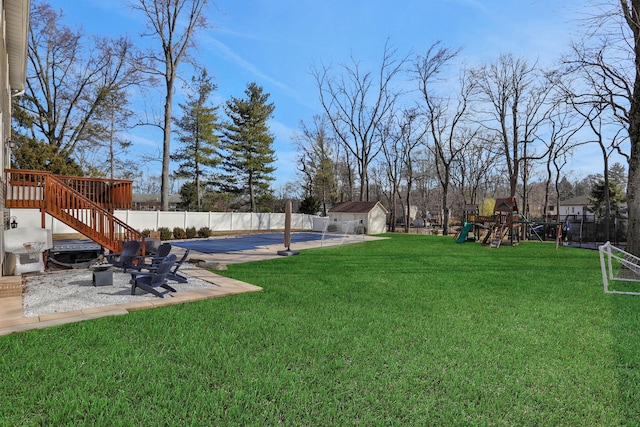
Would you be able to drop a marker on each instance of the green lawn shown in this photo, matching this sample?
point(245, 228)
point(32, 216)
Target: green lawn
point(413, 330)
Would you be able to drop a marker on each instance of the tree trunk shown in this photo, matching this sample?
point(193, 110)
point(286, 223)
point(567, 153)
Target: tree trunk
point(607, 200)
point(445, 209)
point(166, 142)
point(198, 195)
point(633, 201)
point(633, 180)
point(252, 196)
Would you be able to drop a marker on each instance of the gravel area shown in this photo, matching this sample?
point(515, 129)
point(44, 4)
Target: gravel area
point(68, 290)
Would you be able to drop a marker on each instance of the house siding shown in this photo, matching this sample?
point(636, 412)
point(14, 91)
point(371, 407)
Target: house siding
point(5, 127)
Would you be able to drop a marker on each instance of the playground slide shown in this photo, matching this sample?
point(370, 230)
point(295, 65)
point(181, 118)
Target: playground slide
point(462, 237)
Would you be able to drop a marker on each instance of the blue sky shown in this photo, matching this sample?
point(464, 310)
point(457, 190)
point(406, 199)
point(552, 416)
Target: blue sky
point(276, 42)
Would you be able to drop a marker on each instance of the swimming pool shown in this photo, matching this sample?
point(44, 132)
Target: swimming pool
point(245, 242)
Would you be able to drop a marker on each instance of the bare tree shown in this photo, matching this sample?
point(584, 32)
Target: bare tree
point(115, 117)
point(316, 163)
point(475, 166)
point(563, 126)
point(403, 136)
point(173, 24)
point(608, 61)
point(594, 116)
point(70, 82)
point(513, 110)
point(391, 169)
point(357, 104)
point(445, 117)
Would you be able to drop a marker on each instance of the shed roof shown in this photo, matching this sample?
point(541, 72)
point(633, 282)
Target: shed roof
point(355, 207)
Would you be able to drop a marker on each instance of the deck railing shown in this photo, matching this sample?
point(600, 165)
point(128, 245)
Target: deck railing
point(24, 189)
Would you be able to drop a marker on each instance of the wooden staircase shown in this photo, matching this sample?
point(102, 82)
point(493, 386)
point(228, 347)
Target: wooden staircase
point(85, 204)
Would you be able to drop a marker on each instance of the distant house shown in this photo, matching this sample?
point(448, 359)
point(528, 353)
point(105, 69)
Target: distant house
point(575, 209)
point(151, 202)
point(373, 215)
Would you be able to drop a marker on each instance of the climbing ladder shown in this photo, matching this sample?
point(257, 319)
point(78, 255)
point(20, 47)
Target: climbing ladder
point(495, 235)
point(498, 234)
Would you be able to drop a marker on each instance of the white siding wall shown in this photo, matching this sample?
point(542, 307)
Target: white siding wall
point(377, 221)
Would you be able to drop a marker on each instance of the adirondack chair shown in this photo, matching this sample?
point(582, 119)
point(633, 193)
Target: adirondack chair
point(161, 253)
point(149, 281)
point(125, 259)
point(173, 273)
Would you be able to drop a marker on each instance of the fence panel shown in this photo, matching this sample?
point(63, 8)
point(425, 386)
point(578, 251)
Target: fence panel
point(152, 220)
point(197, 220)
point(221, 221)
point(142, 220)
point(242, 221)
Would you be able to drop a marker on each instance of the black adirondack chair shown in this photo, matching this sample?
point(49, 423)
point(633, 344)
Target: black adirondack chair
point(173, 273)
point(161, 253)
point(125, 259)
point(149, 281)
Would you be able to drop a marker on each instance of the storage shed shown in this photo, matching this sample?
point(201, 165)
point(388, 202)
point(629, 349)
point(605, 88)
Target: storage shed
point(372, 214)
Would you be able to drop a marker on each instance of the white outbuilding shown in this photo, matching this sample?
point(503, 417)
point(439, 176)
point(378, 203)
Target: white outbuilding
point(371, 215)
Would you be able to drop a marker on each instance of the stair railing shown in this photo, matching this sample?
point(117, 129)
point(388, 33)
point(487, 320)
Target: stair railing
point(38, 189)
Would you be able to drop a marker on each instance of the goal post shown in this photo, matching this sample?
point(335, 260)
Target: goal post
point(337, 232)
point(618, 266)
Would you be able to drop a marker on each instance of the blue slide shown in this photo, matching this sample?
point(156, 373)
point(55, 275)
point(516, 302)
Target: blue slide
point(464, 232)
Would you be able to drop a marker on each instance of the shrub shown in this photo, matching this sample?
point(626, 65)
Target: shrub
point(179, 233)
point(146, 232)
point(165, 233)
point(204, 232)
point(191, 232)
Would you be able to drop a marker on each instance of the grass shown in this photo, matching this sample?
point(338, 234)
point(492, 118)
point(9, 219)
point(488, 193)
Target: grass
point(414, 330)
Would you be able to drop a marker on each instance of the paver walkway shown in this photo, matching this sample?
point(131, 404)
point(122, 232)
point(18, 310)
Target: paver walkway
point(11, 313)
point(11, 319)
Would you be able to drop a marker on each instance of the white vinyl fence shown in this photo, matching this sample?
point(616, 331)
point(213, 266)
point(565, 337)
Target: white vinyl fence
point(152, 220)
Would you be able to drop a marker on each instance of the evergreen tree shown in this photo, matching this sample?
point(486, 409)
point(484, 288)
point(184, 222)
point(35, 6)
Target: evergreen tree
point(309, 205)
point(598, 202)
point(248, 145)
point(35, 154)
point(197, 135)
point(188, 197)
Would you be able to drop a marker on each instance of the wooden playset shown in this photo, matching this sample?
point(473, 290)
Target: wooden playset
point(502, 228)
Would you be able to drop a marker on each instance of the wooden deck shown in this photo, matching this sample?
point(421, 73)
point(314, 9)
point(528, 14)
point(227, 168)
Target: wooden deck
point(85, 204)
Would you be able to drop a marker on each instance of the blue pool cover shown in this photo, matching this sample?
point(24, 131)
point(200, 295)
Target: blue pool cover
point(244, 242)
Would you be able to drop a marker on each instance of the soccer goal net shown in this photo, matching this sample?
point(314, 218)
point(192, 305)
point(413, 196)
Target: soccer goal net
point(336, 232)
point(619, 266)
